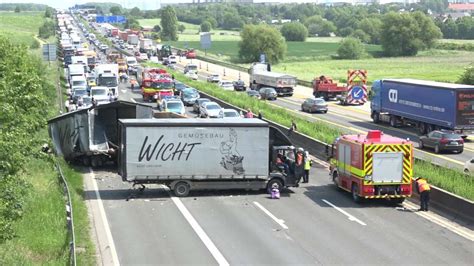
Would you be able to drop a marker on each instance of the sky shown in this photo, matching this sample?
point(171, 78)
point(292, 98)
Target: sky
point(151, 4)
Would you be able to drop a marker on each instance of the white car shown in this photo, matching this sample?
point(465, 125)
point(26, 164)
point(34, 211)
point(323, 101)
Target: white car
point(174, 106)
point(469, 166)
point(214, 78)
point(231, 113)
point(154, 59)
point(172, 59)
point(192, 75)
point(211, 110)
point(226, 85)
point(143, 57)
point(100, 95)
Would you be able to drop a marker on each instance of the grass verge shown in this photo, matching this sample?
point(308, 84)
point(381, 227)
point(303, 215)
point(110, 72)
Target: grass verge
point(449, 179)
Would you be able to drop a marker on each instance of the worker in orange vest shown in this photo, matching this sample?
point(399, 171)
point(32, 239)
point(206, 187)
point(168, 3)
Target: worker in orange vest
point(423, 188)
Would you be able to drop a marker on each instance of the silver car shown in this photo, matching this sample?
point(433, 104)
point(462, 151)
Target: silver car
point(211, 110)
point(267, 93)
point(312, 105)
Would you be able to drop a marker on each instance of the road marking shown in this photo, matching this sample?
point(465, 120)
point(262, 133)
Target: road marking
point(441, 221)
point(124, 91)
point(104, 219)
point(351, 218)
point(198, 229)
point(267, 212)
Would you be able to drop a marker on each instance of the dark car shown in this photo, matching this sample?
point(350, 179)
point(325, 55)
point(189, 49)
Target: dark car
point(268, 93)
point(253, 93)
point(312, 105)
point(197, 104)
point(189, 96)
point(239, 85)
point(442, 140)
point(178, 87)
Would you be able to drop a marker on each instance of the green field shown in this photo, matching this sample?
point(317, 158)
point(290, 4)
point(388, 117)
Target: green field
point(21, 27)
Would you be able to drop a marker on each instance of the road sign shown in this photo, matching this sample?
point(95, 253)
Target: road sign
point(110, 19)
point(49, 52)
point(205, 40)
point(262, 58)
point(357, 93)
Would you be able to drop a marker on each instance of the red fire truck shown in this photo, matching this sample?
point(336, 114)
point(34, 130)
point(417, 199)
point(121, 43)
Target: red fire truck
point(372, 166)
point(155, 84)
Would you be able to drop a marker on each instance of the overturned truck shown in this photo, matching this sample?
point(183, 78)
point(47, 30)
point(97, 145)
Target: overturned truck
point(90, 136)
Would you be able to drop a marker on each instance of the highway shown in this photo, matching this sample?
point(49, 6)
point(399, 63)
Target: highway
point(314, 224)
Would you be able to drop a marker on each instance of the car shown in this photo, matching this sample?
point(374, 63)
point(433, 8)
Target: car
point(100, 95)
point(172, 66)
point(143, 57)
point(197, 104)
point(78, 93)
point(215, 78)
point(189, 96)
point(190, 68)
point(267, 93)
point(192, 75)
point(178, 87)
point(226, 85)
point(91, 81)
point(175, 106)
point(469, 166)
point(254, 94)
point(84, 102)
point(154, 59)
point(211, 110)
point(103, 47)
point(172, 59)
point(312, 105)
point(231, 113)
point(239, 85)
point(442, 140)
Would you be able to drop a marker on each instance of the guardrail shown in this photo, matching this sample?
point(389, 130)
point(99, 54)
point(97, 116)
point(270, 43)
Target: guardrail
point(442, 200)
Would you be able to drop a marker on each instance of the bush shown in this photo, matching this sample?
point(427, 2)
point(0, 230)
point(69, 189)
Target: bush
point(46, 30)
point(361, 35)
point(34, 44)
point(294, 31)
point(206, 26)
point(350, 48)
point(468, 76)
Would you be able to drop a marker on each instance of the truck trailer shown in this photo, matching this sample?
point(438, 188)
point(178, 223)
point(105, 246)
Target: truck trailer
point(186, 154)
point(107, 75)
point(372, 166)
point(260, 75)
point(424, 105)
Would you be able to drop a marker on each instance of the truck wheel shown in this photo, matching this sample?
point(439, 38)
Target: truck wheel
point(181, 189)
point(275, 182)
point(393, 121)
point(376, 117)
point(355, 193)
point(436, 149)
point(335, 175)
point(94, 162)
point(86, 161)
point(422, 128)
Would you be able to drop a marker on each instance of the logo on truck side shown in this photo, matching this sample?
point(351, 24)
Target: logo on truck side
point(166, 151)
point(393, 96)
point(232, 160)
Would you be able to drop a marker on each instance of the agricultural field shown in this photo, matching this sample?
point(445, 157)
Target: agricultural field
point(21, 27)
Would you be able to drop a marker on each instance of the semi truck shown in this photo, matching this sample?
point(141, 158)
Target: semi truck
point(372, 166)
point(132, 39)
point(424, 105)
point(146, 45)
point(187, 154)
point(107, 76)
point(260, 75)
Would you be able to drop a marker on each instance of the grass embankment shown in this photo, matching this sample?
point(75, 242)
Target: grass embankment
point(41, 236)
point(445, 178)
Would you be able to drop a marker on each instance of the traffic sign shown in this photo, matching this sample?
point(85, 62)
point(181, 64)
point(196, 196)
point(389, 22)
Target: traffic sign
point(262, 58)
point(49, 52)
point(357, 93)
point(205, 40)
point(110, 19)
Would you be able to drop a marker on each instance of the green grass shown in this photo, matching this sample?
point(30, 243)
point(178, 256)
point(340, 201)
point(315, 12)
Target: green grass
point(459, 41)
point(21, 27)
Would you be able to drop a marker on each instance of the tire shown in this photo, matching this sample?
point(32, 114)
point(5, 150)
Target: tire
point(275, 181)
point(334, 178)
point(393, 121)
point(181, 189)
point(355, 193)
point(460, 151)
point(436, 148)
point(376, 117)
point(421, 146)
point(86, 161)
point(325, 112)
point(466, 171)
point(94, 162)
point(302, 109)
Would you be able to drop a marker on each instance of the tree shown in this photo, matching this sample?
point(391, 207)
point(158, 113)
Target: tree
point(294, 31)
point(468, 76)
point(48, 13)
point(169, 24)
point(350, 48)
point(98, 10)
point(17, 9)
point(428, 32)
point(257, 39)
point(372, 27)
point(206, 26)
point(46, 30)
point(181, 28)
point(361, 35)
point(399, 35)
point(232, 21)
point(319, 26)
point(136, 12)
point(157, 28)
point(132, 23)
point(115, 10)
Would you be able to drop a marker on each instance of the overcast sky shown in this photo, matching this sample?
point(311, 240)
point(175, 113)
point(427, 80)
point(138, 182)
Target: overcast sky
point(148, 4)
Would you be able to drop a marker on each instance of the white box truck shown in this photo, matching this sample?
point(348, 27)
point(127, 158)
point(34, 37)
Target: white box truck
point(260, 75)
point(132, 39)
point(107, 75)
point(186, 154)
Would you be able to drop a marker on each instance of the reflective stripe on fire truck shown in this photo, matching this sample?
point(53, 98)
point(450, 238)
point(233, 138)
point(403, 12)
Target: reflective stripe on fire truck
point(386, 196)
point(353, 170)
point(404, 148)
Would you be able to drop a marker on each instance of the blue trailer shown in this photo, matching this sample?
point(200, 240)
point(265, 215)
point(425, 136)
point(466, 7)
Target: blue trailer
point(425, 105)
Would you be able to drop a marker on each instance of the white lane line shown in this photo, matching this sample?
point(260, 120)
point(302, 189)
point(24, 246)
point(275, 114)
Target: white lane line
point(110, 239)
point(267, 212)
point(351, 218)
point(198, 229)
point(441, 221)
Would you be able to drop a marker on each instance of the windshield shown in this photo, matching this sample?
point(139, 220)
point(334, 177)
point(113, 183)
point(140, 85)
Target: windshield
point(212, 107)
point(131, 62)
point(174, 106)
point(451, 136)
point(192, 67)
point(231, 114)
point(87, 100)
point(162, 85)
point(180, 86)
point(80, 92)
point(319, 101)
point(190, 94)
point(99, 92)
point(108, 81)
point(79, 83)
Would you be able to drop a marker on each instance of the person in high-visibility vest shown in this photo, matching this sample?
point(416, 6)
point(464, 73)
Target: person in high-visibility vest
point(423, 188)
point(307, 166)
